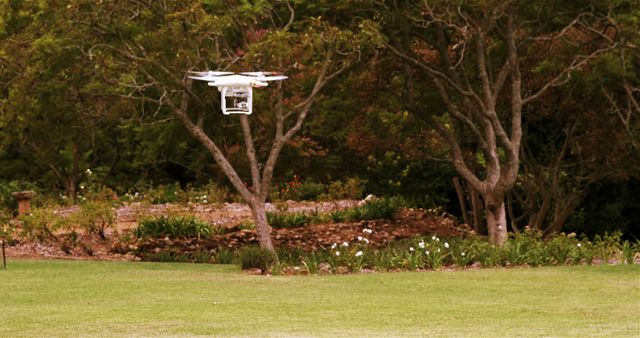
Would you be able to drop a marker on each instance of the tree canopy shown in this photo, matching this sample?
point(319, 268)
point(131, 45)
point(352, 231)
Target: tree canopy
point(506, 113)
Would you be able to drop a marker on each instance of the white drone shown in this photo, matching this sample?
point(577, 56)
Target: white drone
point(236, 90)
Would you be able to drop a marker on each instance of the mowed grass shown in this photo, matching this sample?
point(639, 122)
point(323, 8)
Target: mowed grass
point(73, 298)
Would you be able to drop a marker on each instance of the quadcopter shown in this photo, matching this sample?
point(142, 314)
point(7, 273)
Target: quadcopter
point(236, 90)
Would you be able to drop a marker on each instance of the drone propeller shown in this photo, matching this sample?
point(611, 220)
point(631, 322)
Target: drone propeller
point(211, 73)
point(273, 78)
point(204, 78)
point(258, 73)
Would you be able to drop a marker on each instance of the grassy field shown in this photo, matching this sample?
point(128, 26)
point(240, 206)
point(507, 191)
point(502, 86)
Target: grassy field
point(69, 298)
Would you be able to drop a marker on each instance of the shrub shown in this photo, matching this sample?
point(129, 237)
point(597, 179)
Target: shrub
point(352, 189)
point(310, 191)
point(224, 256)
point(174, 227)
point(381, 208)
point(281, 220)
point(311, 262)
point(210, 193)
point(162, 194)
point(42, 223)
point(95, 217)
point(256, 257)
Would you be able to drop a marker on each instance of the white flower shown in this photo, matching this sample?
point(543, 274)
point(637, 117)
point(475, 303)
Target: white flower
point(579, 245)
point(369, 231)
point(81, 186)
point(463, 254)
point(411, 248)
point(337, 253)
point(421, 245)
point(359, 238)
point(433, 238)
point(334, 245)
point(88, 172)
point(345, 244)
point(446, 245)
point(365, 240)
point(438, 250)
point(359, 253)
point(426, 252)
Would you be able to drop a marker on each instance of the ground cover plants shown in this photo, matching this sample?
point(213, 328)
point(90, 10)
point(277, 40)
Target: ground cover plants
point(71, 298)
point(527, 248)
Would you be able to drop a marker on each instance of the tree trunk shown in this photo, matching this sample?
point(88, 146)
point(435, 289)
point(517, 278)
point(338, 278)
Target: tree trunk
point(476, 210)
point(70, 189)
point(263, 229)
point(461, 200)
point(497, 223)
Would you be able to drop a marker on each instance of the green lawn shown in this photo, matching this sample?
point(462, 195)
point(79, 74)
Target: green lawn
point(68, 298)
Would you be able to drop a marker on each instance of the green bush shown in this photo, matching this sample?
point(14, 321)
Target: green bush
point(310, 191)
point(256, 257)
point(42, 223)
point(224, 256)
point(380, 208)
point(383, 208)
point(174, 227)
point(351, 189)
point(95, 217)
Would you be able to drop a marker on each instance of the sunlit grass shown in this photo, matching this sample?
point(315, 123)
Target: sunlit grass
point(62, 298)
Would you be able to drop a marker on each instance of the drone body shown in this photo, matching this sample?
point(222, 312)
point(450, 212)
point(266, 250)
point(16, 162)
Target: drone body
point(236, 90)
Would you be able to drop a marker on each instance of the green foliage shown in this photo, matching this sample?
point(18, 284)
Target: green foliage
point(381, 208)
point(42, 224)
point(526, 248)
point(378, 208)
point(283, 220)
point(224, 256)
point(256, 257)
point(95, 217)
point(174, 227)
point(349, 189)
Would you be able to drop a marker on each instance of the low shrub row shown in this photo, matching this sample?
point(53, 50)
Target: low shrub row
point(528, 248)
point(174, 227)
point(380, 208)
point(42, 224)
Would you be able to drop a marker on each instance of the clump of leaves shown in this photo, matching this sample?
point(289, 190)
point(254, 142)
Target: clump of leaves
point(95, 217)
point(379, 208)
point(42, 224)
point(351, 188)
point(256, 257)
point(174, 227)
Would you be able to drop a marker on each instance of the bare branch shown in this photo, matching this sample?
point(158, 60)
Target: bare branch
point(564, 76)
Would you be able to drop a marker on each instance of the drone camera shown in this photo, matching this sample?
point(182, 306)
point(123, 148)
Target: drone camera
point(236, 100)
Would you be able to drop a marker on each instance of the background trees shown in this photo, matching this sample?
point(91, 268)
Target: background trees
point(521, 95)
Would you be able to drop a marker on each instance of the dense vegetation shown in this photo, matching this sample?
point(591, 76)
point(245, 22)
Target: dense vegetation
point(91, 92)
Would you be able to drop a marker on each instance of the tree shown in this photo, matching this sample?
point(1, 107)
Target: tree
point(162, 42)
point(478, 57)
point(49, 118)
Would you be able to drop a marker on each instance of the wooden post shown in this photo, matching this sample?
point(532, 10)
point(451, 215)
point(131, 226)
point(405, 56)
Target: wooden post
point(4, 259)
point(24, 201)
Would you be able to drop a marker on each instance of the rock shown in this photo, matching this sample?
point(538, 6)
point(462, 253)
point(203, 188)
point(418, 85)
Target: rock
point(475, 265)
point(342, 270)
point(254, 271)
point(324, 268)
point(369, 197)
